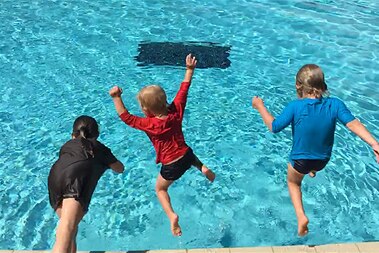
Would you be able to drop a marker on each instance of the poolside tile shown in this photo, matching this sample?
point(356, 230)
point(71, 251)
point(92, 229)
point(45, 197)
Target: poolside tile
point(368, 247)
point(27, 251)
point(166, 251)
point(218, 250)
point(252, 250)
point(294, 249)
point(337, 248)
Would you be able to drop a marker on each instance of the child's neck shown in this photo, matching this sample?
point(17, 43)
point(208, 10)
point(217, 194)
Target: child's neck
point(161, 116)
point(311, 97)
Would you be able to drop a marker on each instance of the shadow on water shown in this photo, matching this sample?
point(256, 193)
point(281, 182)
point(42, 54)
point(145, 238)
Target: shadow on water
point(208, 55)
point(227, 239)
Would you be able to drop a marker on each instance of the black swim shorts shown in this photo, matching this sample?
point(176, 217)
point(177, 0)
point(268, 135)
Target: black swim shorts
point(304, 166)
point(176, 169)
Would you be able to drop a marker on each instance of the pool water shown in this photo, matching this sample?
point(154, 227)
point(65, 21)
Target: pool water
point(58, 59)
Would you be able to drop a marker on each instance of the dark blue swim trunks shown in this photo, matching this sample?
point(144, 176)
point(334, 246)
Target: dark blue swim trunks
point(304, 166)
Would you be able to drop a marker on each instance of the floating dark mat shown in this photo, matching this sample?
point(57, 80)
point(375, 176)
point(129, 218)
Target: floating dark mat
point(208, 55)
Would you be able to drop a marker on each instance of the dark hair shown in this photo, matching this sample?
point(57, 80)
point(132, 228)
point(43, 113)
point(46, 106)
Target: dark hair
point(86, 127)
point(310, 80)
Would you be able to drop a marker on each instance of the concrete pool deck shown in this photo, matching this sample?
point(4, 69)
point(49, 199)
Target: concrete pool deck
point(364, 247)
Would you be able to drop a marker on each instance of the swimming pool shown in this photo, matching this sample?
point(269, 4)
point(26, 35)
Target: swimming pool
point(59, 59)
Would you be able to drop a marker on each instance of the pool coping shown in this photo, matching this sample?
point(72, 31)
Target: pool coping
point(362, 247)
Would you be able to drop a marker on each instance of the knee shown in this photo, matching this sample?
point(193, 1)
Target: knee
point(159, 190)
point(68, 226)
point(202, 168)
point(293, 182)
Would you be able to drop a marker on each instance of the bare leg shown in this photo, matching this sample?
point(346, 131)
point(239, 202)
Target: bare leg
point(70, 214)
point(161, 188)
point(294, 180)
point(73, 241)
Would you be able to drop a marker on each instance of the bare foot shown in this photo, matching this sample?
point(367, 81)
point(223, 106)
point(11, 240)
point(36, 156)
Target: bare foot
point(175, 228)
point(312, 173)
point(209, 174)
point(302, 226)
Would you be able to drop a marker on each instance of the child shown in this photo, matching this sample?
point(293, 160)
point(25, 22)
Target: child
point(163, 125)
point(73, 178)
point(313, 119)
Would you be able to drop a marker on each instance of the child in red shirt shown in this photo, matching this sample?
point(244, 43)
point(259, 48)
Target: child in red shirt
point(163, 125)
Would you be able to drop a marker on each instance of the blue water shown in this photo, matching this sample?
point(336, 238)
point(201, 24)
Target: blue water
point(59, 59)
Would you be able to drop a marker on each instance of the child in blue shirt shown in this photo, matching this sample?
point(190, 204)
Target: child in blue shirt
point(313, 119)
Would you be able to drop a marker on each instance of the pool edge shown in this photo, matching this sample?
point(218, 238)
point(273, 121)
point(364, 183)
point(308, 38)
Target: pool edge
point(363, 247)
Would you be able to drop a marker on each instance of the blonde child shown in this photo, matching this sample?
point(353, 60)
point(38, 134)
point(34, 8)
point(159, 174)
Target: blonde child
point(73, 179)
point(163, 125)
point(313, 118)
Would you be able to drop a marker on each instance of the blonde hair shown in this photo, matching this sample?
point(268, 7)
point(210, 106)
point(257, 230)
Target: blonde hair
point(310, 81)
point(153, 99)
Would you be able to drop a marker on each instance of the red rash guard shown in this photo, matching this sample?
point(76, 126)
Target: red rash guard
point(165, 134)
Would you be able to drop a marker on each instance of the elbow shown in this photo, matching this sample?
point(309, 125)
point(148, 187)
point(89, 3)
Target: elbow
point(353, 124)
point(271, 128)
point(121, 169)
point(120, 112)
point(118, 167)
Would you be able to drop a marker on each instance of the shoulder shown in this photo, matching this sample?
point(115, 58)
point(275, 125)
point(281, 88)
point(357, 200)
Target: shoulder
point(333, 99)
point(99, 145)
point(296, 102)
point(296, 106)
point(71, 144)
point(335, 102)
point(101, 150)
point(293, 105)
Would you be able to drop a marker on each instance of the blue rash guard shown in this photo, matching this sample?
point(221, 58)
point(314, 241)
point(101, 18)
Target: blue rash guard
point(313, 124)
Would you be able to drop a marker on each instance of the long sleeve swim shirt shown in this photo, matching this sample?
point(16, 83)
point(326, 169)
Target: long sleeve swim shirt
point(313, 124)
point(165, 134)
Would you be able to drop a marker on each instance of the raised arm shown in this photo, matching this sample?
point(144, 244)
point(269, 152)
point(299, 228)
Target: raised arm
point(265, 114)
point(180, 99)
point(190, 68)
point(129, 119)
point(115, 93)
point(359, 129)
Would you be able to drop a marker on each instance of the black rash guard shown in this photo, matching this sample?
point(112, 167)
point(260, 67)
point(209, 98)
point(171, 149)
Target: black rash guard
point(76, 173)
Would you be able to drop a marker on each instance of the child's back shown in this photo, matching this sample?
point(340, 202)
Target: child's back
point(313, 122)
point(73, 178)
point(165, 132)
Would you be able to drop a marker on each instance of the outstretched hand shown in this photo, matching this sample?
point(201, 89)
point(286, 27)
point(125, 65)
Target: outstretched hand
point(115, 92)
point(190, 62)
point(257, 102)
point(376, 151)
